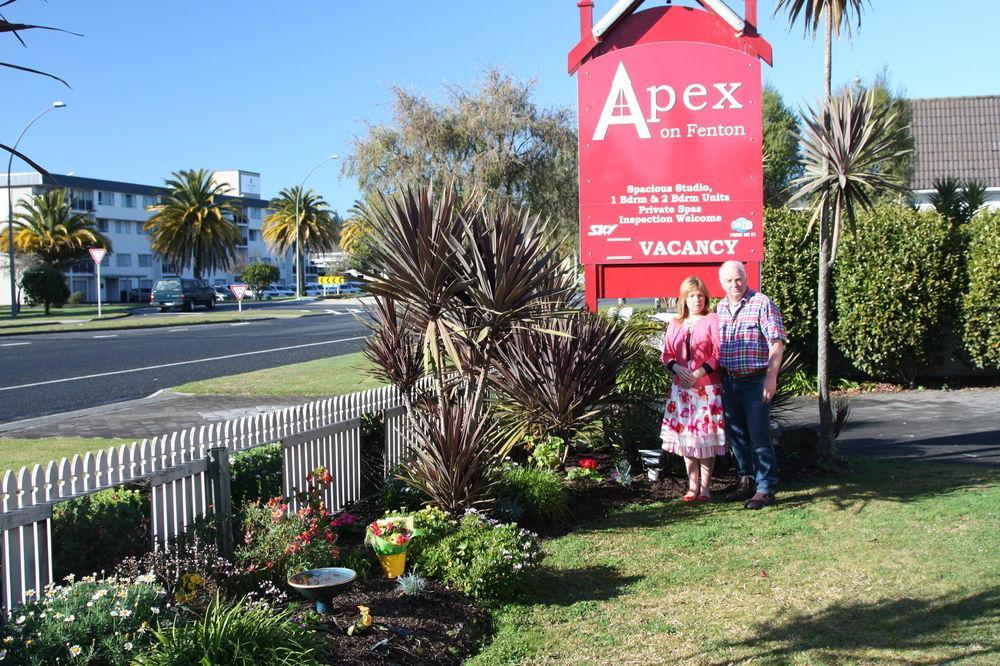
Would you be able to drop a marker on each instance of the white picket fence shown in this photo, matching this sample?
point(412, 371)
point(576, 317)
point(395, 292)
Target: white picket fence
point(323, 433)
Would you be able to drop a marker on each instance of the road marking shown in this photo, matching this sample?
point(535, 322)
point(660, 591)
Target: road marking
point(241, 323)
point(113, 335)
point(177, 363)
point(14, 344)
point(337, 312)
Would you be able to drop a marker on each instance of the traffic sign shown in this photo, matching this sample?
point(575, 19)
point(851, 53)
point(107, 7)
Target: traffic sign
point(238, 291)
point(332, 279)
point(97, 254)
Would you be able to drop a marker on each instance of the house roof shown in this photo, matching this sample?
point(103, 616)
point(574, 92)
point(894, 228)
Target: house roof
point(956, 137)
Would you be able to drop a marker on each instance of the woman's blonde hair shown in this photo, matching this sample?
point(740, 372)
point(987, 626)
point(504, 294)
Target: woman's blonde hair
point(692, 283)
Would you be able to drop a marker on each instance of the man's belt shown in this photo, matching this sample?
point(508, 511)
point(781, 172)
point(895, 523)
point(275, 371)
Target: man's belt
point(747, 375)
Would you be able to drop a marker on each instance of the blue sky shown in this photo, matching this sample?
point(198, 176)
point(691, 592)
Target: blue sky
point(275, 87)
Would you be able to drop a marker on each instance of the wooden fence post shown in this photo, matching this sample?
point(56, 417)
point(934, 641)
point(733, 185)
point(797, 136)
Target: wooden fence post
point(218, 473)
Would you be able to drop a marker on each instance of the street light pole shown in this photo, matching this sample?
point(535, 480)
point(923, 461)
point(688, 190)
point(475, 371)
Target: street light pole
point(299, 279)
point(10, 212)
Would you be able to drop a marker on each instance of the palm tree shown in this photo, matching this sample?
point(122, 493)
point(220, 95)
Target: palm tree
point(352, 234)
point(193, 224)
point(318, 225)
point(845, 144)
point(837, 15)
point(47, 228)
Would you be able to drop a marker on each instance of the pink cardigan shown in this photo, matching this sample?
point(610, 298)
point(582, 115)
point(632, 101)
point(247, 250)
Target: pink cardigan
point(704, 347)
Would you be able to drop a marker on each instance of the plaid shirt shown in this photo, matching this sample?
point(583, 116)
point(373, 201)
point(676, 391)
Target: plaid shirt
point(746, 332)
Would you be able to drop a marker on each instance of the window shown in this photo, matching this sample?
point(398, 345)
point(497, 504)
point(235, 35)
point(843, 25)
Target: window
point(140, 228)
point(145, 260)
point(124, 260)
point(81, 199)
point(255, 213)
point(106, 261)
point(123, 227)
point(148, 201)
point(253, 234)
point(128, 200)
point(102, 225)
point(145, 284)
point(106, 198)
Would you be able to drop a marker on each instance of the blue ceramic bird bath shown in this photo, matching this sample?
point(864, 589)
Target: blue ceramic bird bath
point(321, 584)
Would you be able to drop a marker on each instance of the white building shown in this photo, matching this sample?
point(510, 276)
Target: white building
point(119, 211)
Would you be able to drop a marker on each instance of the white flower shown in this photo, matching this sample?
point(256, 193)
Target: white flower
point(21, 619)
point(155, 610)
point(70, 618)
point(124, 612)
point(114, 613)
point(3, 654)
point(89, 604)
point(128, 646)
point(75, 650)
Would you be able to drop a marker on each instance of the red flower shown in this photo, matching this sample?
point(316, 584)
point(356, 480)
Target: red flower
point(588, 463)
point(671, 407)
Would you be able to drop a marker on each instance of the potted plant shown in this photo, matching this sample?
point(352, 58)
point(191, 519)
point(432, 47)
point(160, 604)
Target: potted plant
point(389, 538)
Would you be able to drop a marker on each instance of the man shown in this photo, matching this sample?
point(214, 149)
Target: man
point(752, 341)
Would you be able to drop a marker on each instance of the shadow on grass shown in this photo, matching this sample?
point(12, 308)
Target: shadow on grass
point(845, 632)
point(565, 587)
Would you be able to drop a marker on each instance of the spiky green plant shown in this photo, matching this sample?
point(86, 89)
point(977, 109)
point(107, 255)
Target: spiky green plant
point(45, 226)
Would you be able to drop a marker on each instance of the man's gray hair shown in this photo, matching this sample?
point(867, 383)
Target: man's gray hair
point(732, 263)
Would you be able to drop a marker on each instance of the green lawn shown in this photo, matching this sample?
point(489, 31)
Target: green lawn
point(895, 564)
point(17, 453)
point(69, 311)
point(336, 375)
point(120, 321)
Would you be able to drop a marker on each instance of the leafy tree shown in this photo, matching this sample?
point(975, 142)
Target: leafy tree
point(318, 225)
point(47, 228)
point(193, 224)
point(491, 138)
point(844, 145)
point(44, 284)
point(259, 276)
point(838, 15)
point(781, 148)
point(884, 94)
point(957, 203)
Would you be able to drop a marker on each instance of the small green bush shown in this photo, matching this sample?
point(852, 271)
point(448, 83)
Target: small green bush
point(894, 278)
point(96, 532)
point(790, 274)
point(76, 298)
point(430, 525)
point(980, 334)
point(45, 285)
point(98, 622)
point(240, 634)
point(256, 475)
point(542, 492)
point(483, 558)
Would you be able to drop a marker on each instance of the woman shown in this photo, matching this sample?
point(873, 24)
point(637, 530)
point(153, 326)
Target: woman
point(692, 420)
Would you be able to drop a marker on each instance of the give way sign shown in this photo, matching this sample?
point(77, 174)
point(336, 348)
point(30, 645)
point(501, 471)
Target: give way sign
point(97, 254)
point(238, 291)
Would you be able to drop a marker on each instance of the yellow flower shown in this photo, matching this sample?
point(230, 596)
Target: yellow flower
point(366, 616)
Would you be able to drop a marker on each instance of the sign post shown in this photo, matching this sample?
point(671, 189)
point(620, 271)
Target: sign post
point(670, 134)
point(239, 290)
point(327, 280)
point(97, 254)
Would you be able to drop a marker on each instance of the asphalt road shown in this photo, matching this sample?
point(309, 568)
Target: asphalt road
point(59, 372)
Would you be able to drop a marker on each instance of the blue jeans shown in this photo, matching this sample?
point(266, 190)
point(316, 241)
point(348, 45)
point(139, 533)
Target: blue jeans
point(748, 430)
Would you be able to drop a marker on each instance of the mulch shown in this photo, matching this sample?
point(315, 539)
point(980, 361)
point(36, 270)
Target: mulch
point(438, 626)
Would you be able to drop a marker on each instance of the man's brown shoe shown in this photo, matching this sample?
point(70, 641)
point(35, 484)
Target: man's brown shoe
point(744, 490)
point(759, 501)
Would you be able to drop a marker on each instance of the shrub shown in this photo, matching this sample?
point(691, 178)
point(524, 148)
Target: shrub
point(890, 301)
point(979, 334)
point(412, 583)
point(583, 477)
point(240, 634)
point(483, 558)
point(430, 525)
point(256, 474)
point(541, 492)
point(548, 453)
point(95, 532)
point(279, 543)
point(259, 276)
point(92, 621)
point(76, 298)
point(394, 496)
point(790, 274)
point(45, 285)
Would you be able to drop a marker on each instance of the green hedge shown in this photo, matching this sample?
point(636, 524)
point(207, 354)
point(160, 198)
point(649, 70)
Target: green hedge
point(894, 277)
point(96, 532)
point(789, 275)
point(256, 475)
point(980, 313)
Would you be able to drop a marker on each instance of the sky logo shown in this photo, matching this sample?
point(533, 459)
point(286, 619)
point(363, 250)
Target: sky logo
point(741, 225)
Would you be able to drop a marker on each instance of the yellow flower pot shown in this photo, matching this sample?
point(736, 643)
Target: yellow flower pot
point(393, 565)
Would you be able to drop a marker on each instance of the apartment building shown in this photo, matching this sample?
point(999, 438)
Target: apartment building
point(120, 212)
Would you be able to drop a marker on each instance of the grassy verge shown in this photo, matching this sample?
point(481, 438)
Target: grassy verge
point(336, 375)
point(894, 564)
point(17, 453)
point(32, 313)
point(121, 321)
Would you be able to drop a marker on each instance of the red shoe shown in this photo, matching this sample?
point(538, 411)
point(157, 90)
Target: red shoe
point(690, 498)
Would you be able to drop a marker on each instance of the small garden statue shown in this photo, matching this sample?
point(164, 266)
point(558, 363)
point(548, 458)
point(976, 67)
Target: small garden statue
point(389, 538)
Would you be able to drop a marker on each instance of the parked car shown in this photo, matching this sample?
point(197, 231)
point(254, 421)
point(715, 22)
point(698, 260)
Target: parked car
point(139, 294)
point(223, 293)
point(277, 291)
point(184, 293)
